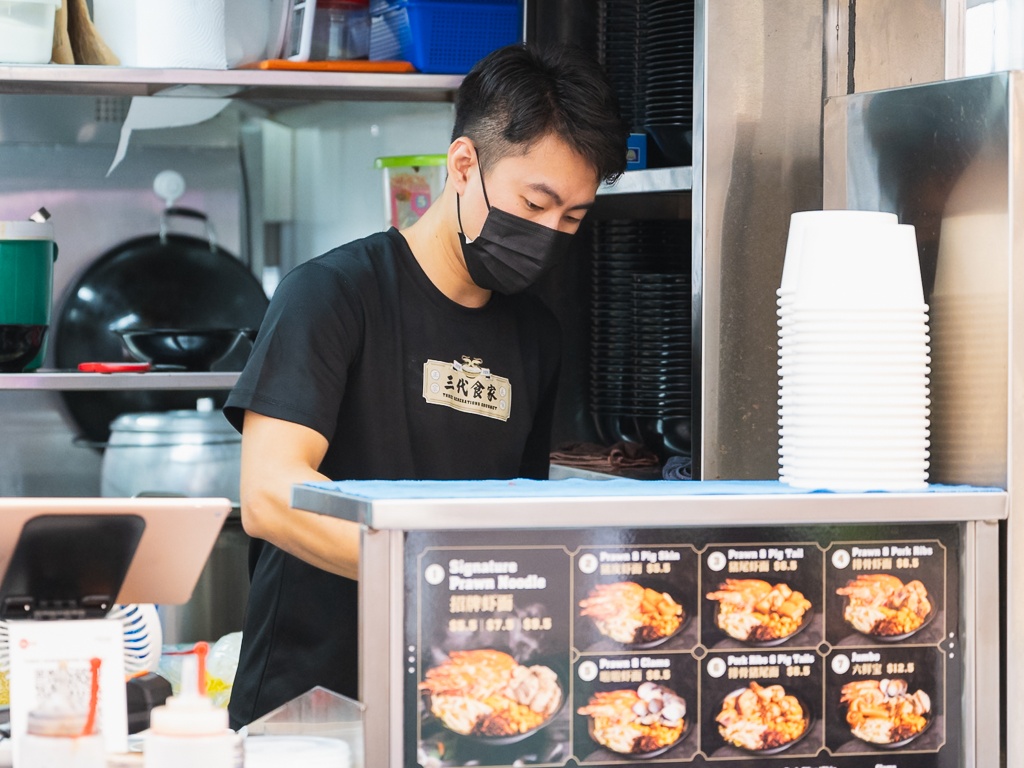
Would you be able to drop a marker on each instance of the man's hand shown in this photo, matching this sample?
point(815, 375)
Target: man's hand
point(276, 455)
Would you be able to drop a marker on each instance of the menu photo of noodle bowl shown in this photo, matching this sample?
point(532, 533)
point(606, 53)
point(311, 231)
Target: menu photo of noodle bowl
point(881, 606)
point(762, 719)
point(487, 696)
point(756, 612)
point(885, 713)
point(637, 613)
point(639, 722)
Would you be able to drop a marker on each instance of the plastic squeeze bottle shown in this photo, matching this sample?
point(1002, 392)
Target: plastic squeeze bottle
point(189, 730)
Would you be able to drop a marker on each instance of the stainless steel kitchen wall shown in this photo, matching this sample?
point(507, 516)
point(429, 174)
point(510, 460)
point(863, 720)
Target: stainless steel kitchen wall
point(337, 194)
point(55, 152)
point(945, 157)
point(757, 158)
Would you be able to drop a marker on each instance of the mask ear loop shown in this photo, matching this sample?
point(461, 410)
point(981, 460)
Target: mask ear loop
point(458, 198)
point(481, 167)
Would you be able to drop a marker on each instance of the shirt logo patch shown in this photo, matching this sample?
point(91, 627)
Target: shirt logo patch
point(467, 387)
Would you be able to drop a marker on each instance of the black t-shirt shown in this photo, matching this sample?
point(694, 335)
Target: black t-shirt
point(404, 383)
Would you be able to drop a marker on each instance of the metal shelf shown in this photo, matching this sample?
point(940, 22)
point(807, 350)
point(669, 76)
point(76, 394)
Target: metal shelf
point(73, 381)
point(250, 84)
point(649, 180)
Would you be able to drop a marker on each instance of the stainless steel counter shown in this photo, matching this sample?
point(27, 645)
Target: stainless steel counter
point(559, 536)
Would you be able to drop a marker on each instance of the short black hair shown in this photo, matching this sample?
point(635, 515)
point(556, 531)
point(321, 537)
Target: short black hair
point(522, 93)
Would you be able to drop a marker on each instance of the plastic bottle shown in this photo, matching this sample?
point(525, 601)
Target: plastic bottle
point(58, 736)
point(189, 730)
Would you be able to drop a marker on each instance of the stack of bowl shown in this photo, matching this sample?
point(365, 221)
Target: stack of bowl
point(641, 339)
point(853, 354)
point(647, 48)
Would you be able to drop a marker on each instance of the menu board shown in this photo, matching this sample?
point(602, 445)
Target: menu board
point(807, 647)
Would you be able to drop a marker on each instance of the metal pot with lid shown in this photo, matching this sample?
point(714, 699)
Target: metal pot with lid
point(181, 452)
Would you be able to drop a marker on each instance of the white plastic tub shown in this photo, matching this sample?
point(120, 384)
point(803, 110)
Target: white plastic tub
point(204, 34)
point(26, 31)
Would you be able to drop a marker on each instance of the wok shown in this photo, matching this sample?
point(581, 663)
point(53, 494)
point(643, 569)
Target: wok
point(194, 349)
point(162, 280)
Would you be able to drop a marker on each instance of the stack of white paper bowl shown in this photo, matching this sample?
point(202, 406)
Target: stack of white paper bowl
point(853, 354)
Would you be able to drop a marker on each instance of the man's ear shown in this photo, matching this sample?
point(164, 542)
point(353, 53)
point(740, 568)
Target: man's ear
point(461, 162)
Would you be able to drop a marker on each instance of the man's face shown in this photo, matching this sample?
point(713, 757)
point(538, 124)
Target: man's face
point(550, 185)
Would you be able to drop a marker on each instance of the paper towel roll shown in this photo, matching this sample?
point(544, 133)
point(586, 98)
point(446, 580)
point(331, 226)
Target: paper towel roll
point(168, 34)
point(148, 112)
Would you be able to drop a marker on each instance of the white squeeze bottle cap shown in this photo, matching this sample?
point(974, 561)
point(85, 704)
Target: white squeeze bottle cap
point(189, 729)
point(191, 712)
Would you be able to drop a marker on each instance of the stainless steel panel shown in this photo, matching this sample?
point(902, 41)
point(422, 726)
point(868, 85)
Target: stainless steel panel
point(982, 705)
point(648, 508)
point(945, 157)
point(757, 158)
point(379, 657)
point(937, 156)
point(1014, 562)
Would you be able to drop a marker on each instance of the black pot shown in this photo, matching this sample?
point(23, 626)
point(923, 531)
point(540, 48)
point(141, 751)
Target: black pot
point(19, 344)
point(155, 281)
point(194, 349)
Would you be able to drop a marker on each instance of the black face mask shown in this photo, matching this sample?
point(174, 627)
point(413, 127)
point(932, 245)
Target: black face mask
point(511, 253)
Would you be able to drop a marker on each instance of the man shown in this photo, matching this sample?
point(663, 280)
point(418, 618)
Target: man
point(413, 355)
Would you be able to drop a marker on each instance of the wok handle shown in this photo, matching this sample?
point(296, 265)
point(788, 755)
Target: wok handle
point(188, 213)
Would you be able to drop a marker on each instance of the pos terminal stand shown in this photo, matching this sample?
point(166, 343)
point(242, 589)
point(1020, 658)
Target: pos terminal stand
point(69, 566)
point(75, 558)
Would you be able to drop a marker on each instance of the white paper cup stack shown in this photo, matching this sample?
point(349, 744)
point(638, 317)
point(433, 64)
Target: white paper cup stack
point(853, 354)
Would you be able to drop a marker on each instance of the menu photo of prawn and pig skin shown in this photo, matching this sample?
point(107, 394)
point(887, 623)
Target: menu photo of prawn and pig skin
point(885, 698)
point(635, 598)
point(635, 706)
point(886, 592)
point(759, 702)
point(762, 595)
point(492, 644)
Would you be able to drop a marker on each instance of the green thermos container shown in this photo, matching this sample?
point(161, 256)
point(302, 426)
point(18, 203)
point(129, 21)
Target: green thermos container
point(27, 255)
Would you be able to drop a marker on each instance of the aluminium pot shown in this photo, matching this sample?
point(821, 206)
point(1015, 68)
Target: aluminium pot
point(189, 453)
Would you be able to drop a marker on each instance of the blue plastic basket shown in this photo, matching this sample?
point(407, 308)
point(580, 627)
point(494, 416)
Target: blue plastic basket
point(444, 37)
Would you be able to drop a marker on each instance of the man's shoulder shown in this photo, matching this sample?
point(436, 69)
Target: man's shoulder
point(364, 255)
point(353, 267)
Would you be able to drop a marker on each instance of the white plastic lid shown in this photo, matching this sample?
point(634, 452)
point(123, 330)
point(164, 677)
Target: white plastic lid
point(189, 713)
point(26, 230)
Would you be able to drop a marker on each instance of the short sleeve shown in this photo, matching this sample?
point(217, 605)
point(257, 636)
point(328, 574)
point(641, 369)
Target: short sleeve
point(298, 367)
